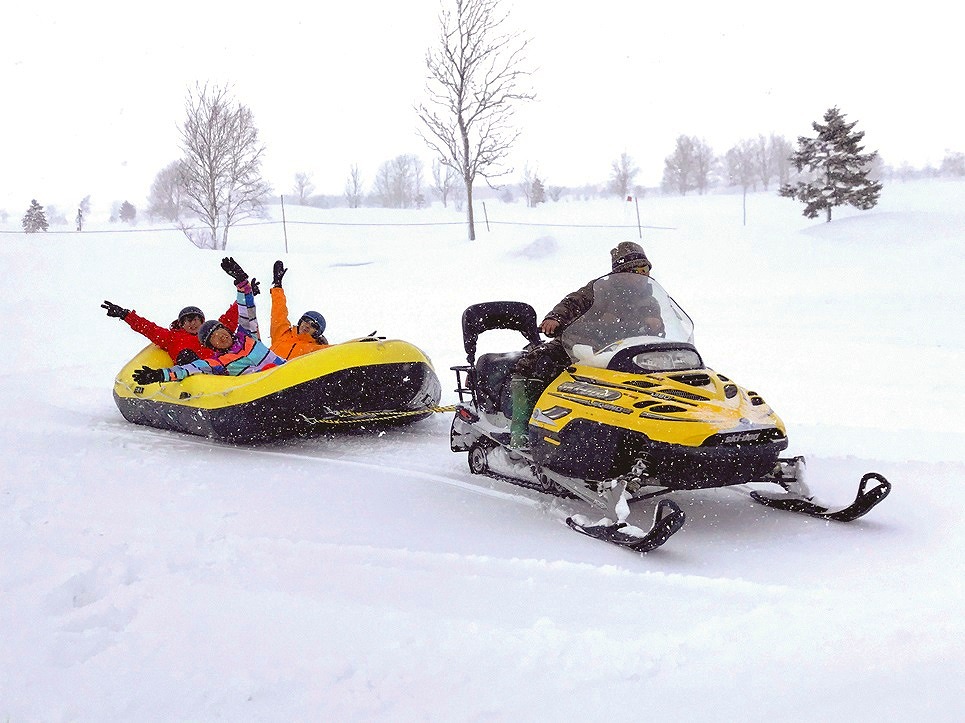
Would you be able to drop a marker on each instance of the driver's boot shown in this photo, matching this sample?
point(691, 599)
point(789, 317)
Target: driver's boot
point(523, 394)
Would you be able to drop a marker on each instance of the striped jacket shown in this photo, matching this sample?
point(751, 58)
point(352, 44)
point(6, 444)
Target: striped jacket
point(247, 354)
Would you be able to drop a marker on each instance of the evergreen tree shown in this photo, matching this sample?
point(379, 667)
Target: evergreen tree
point(838, 167)
point(127, 212)
point(34, 219)
point(539, 193)
point(83, 211)
point(953, 164)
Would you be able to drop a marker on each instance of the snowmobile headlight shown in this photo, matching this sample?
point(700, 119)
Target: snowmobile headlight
point(667, 360)
point(590, 390)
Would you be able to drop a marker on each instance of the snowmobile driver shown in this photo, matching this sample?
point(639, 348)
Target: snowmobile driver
point(542, 364)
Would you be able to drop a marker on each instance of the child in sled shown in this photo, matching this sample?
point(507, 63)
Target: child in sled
point(233, 353)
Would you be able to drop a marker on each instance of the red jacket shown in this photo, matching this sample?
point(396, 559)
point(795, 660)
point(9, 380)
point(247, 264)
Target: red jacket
point(174, 341)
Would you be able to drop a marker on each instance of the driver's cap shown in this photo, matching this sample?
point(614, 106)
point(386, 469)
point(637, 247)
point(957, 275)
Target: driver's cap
point(628, 256)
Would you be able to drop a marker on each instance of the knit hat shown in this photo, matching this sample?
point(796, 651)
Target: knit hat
point(628, 256)
point(315, 318)
point(188, 310)
point(207, 328)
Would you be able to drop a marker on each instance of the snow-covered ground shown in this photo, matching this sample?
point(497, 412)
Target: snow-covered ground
point(146, 575)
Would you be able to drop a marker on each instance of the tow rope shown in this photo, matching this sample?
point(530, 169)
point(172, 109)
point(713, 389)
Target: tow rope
point(347, 417)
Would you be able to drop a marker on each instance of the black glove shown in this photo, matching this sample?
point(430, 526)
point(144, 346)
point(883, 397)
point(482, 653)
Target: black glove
point(279, 271)
point(146, 375)
point(233, 269)
point(255, 287)
point(114, 310)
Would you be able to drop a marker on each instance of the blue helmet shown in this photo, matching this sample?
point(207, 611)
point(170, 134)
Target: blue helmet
point(207, 328)
point(316, 319)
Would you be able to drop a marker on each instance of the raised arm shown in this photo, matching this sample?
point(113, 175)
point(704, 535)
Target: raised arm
point(247, 319)
point(280, 322)
point(157, 334)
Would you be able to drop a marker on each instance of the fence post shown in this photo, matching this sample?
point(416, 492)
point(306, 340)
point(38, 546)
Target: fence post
point(486, 216)
point(283, 226)
point(636, 201)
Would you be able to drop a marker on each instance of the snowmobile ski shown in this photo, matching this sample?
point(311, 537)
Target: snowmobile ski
point(864, 501)
point(668, 518)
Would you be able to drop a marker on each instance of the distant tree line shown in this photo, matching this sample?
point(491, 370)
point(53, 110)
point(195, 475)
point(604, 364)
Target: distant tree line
point(38, 218)
point(476, 76)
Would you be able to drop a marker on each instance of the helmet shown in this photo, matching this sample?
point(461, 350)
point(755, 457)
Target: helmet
point(313, 317)
point(187, 311)
point(207, 328)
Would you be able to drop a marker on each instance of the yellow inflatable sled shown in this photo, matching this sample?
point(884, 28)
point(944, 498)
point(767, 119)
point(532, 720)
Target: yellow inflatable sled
point(360, 382)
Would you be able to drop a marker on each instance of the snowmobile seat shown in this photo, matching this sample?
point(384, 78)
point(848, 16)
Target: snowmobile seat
point(489, 378)
point(513, 315)
point(492, 381)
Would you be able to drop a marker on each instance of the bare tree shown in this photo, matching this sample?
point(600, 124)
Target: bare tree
point(303, 187)
point(383, 183)
point(353, 187)
point(221, 169)
point(742, 164)
point(622, 175)
point(690, 167)
point(781, 152)
point(417, 181)
point(398, 182)
point(166, 199)
point(772, 159)
point(526, 185)
point(55, 217)
point(761, 158)
point(678, 167)
point(443, 178)
point(704, 162)
point(475, 78)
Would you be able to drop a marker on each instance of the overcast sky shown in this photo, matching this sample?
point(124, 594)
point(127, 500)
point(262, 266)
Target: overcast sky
point(94, 92)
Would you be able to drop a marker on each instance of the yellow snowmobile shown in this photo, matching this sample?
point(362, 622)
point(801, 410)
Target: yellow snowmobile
point(637, 415)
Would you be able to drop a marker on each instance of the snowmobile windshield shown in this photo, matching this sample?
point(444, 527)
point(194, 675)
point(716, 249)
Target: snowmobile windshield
point(627, 309)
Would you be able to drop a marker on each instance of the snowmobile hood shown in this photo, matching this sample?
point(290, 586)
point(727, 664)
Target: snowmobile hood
point(695, 407)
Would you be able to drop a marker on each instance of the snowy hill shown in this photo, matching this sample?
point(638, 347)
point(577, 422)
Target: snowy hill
point(151, 576)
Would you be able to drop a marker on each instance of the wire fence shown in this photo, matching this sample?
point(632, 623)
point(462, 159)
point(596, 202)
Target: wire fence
point(346, 224)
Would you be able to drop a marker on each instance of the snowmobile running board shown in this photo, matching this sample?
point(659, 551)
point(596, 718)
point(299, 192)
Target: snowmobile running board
point(668, 518)
point(863, 502)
